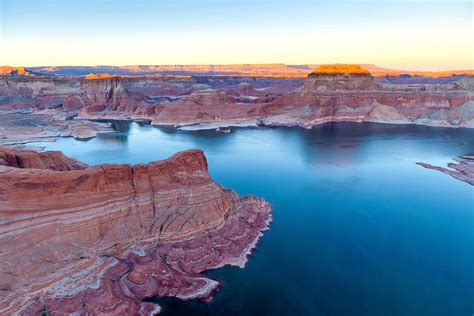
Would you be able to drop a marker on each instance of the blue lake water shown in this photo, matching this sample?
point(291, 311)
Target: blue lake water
point(359, 228)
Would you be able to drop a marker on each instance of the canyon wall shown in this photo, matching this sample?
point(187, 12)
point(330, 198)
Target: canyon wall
point(330, 93)
point(361, 97)
point(101, 239)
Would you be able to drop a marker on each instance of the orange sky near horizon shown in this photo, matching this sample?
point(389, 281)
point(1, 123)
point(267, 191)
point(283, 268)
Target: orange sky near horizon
point(410, 35)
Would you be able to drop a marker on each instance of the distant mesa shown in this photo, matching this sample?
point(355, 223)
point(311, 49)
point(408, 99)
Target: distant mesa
point(239, 70)
point(14, 71)
point(339, 69)
point(100, 240)
point(100, 76)
point(339, 77)
point(95, 76)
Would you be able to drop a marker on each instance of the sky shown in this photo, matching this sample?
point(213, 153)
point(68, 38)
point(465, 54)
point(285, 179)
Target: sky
point(410, 35)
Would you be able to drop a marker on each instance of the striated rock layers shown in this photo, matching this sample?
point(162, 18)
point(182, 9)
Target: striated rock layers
point(463, 170)
point(352, 94)
point(330, 93)
point(339, 77)
point(87, 240)
point(346, 94)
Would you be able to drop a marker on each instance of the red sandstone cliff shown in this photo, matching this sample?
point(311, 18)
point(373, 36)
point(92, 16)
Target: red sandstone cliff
point(348, 94)
point(79, 239)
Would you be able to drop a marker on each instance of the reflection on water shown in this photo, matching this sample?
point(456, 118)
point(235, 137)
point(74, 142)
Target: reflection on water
point(111, 139)
point(359, 228)
point(121, 126)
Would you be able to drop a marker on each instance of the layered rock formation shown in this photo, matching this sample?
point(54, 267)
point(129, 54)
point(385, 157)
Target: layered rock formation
point(84, 240)
point(462, 170)
point(330, 93)
point(351, 94)
point(344, 69)
point(339, 78)
point(28, 159)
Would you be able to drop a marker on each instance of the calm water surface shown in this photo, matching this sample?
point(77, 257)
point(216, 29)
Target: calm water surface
point(359, 228)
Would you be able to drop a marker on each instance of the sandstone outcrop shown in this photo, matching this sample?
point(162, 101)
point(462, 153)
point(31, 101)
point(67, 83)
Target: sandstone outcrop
point(14, 71)
point(339, 77)
point(101, 239)
point(342, 96)
point(462, 170)
point(107, 94)
point(344, 69)
point(29, 159)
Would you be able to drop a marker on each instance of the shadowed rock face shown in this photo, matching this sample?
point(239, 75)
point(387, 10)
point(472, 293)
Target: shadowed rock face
point(339, 78)
point(321, 82)
point(463, 170)
point(98, 239)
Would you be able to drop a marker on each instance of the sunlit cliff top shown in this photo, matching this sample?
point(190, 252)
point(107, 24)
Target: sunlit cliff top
point(7, 70)
point(340, 69)
point(100, 76)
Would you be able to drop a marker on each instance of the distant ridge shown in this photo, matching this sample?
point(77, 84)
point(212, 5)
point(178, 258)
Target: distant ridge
point(260, 70)
point(341, 69)
point(99, 76)
point(15, 71)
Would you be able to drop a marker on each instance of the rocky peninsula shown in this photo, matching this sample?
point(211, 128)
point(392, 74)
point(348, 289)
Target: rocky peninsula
point(79, 239)
point(462, 170)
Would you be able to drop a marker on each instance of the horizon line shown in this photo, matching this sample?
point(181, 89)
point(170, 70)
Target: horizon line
point(250, 64)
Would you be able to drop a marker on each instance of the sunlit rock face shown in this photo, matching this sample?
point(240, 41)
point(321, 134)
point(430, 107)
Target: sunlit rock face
point(343, 69)
point(80, 239)
point(349, 93)
point(339, 77)
point(14, 71)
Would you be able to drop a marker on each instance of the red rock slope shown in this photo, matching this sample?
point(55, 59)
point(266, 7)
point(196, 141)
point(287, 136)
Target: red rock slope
point(100, 239)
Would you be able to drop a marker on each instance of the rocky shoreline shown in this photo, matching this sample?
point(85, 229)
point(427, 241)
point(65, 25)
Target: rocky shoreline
point(22, 127)
point(106, 238)
point(462, 170)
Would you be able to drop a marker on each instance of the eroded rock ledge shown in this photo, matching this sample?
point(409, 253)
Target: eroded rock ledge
point(101, 239)
point(463, 170)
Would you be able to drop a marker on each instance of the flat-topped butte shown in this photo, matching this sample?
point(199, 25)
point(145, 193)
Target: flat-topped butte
point(339, 69)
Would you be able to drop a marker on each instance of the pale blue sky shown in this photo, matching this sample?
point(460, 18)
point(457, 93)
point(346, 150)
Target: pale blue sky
point(401, 34)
